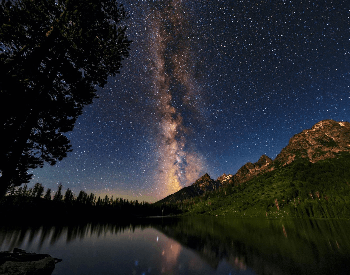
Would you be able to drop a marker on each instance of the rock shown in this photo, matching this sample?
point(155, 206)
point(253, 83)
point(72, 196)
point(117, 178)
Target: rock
point(225, 179)
point(251, 170)
point(21, 262)
point(205, 183)
point(324, 140)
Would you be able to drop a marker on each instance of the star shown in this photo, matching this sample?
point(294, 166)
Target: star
point(208, 86)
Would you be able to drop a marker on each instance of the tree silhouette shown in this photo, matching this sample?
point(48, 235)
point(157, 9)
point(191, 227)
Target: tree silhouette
point(91, 199)
point(58, 195)
point(53, 54)
point(82, 197)
point(38, 190)
point(48, 194)
point(69, 196)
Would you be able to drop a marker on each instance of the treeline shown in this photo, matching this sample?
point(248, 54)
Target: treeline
point(38, 191)
point(37, 204)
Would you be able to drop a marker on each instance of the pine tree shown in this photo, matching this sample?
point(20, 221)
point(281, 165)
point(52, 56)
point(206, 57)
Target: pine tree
point(91, 199)
point(99, 201)
point(37, 191)
point(68, 196)
point(48, 194)
point(82, 197)
point(106, 201)
point(58, 194)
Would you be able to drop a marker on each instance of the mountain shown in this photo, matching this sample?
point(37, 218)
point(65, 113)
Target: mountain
point(251, 170)
point(325, 141)
point(202, 185)
point(225, 179)
point(299, 189)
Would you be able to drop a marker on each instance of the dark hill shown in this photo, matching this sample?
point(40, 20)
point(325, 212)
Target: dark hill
point(202, 185)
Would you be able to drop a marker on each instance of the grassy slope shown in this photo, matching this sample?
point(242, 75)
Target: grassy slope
point(301, 189)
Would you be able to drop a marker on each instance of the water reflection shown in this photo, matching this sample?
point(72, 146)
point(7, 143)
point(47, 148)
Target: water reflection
point(190, 246)
point(23, 236)
point(106, 248)
point(268, 246)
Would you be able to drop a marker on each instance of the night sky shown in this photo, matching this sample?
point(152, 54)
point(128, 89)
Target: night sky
point(208, 86)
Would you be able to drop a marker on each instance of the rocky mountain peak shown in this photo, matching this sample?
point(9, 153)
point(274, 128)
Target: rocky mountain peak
point(205, 182)
point(250, 170)
point(323, 140)
point(263, 161)
point(205, 177)
point(225, 179)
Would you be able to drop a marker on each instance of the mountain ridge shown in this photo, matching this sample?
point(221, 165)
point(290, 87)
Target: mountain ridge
point(324, 140)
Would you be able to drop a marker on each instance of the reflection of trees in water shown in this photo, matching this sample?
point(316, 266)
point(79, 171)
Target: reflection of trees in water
point(266, 246)
point(39, 234)
point(310, 247)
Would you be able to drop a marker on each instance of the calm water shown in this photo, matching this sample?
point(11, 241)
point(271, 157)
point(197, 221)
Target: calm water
point(191, 246)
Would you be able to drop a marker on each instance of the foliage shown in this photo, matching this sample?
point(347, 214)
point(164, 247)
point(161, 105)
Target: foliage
point(58, 195)
point(53, 54)
point(48, 194)
point(25, 203)
point(301, 189)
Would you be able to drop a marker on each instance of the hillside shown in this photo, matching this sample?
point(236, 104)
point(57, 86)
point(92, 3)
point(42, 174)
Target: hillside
point(310, 177)
point(201, 186)
point(301, 189)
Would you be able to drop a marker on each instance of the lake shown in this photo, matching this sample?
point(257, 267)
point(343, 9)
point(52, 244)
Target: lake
point(207, 245)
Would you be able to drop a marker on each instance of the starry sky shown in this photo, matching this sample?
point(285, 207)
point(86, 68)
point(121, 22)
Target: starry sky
point(209, 85)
